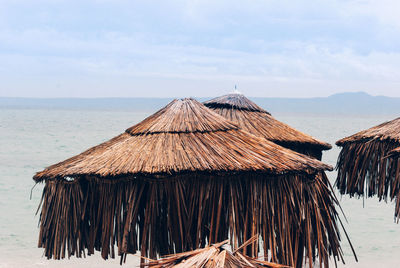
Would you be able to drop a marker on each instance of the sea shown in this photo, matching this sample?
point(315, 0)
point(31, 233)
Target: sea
point(33, 138)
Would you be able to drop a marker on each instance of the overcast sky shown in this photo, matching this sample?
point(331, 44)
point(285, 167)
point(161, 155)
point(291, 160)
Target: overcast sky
point(198, 48)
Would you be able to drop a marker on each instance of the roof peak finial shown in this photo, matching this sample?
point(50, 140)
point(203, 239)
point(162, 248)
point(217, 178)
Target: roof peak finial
point(236, 91)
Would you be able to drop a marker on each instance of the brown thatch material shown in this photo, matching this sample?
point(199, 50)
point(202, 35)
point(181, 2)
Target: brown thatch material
point(252, 118)
point(394, 152)
point(182, 137)
point(369, 163)
point(214, 256)
point(181, 179)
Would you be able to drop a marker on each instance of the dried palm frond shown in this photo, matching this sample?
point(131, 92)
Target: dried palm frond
point(214, 256)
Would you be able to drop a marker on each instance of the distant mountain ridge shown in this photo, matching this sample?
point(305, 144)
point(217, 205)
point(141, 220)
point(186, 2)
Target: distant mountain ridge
point(352, 103)
point(342, 103)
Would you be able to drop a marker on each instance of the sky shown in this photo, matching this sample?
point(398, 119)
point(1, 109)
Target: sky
point(118, 48)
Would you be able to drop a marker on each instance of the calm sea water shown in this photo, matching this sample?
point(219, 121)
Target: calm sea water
point(33, 139)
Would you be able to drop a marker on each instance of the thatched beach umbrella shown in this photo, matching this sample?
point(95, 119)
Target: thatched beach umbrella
point(183, 178)
point(254, 119)
point(368, 163)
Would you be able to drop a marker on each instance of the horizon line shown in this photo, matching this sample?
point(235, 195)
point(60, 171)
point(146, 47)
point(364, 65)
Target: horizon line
point(175, 97)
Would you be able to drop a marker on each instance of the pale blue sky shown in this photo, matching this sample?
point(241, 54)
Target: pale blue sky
point(116, 48)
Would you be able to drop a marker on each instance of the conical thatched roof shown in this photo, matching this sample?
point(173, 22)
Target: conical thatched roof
point(252, 118)
point(214, 256)
point(184, 136)
point(368, 163)
point(388, 131)
point(235, 101)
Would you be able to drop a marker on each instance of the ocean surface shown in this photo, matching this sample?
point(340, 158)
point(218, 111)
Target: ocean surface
point(31, 139)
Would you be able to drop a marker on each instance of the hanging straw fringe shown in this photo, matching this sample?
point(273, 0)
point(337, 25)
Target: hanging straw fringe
point(295, 217)
point(61, 226)
point(364, 168)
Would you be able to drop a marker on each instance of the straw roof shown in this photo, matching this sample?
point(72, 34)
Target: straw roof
point(252, 118)
point(214, 256)
point(184, 136)
point(235, 101)
point(388, 131)
point(368, 163)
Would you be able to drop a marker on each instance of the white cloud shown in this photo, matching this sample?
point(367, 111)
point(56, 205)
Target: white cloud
point(301, 48)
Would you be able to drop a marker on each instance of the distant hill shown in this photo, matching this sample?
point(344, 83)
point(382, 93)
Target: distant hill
point(352, 103)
